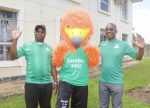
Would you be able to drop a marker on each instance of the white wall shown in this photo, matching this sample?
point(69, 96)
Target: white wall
point(48, 12)
point(32, 12)
point(101, 19)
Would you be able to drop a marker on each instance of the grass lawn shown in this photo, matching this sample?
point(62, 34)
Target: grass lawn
point(136, 76)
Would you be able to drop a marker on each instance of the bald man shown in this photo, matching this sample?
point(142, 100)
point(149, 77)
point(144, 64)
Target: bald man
point(112, 53)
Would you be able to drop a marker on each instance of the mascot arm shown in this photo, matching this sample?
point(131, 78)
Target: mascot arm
point(93, 56)
point(59, 54)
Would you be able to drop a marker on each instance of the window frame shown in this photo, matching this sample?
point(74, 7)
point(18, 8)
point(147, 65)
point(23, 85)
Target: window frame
point(8, 23)
point(124, 11)
point(103, 11)
point(124, 35)
point(102, 38)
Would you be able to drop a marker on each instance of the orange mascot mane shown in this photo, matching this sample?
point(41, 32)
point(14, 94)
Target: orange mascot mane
point(76, 22)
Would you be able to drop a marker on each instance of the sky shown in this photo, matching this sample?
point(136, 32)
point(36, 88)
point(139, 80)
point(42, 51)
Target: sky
point(141, 19)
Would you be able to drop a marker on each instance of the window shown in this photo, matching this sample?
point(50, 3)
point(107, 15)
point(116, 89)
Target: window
point(124, 37)
point(104, 5)
point(1, 50)
point(102, 35)
point(8, 21)
point(124, 9)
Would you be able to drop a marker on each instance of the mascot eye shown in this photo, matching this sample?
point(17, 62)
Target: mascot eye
point(68, 26)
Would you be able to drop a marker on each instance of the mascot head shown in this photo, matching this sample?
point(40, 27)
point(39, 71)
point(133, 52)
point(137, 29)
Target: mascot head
point(76, 27)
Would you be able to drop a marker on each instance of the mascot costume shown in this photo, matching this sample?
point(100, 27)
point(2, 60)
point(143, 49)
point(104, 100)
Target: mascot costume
point(75, 56)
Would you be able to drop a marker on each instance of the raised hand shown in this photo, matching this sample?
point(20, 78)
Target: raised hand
point(138, 41)
point(16, 34)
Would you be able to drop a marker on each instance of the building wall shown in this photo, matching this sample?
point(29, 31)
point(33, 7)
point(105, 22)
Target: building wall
point(48, 13)
point(32, 12)
point(101, 19)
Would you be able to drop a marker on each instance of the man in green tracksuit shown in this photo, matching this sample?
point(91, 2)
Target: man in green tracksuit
point(112, 53)
point(38, 81)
